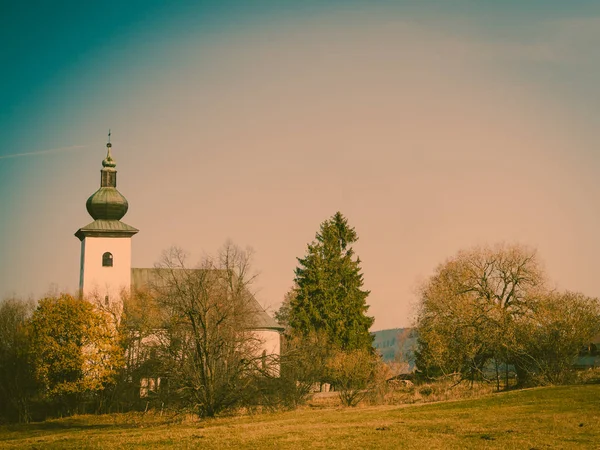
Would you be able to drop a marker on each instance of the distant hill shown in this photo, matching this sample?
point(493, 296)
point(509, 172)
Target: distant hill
point(396, 344)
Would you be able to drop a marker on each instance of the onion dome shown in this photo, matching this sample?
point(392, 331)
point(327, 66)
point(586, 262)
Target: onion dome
point(107, 203)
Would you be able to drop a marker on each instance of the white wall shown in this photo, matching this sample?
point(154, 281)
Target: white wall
point(270, 342)
point(98, 281)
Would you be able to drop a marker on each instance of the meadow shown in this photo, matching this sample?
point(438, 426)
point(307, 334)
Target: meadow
point(548, 417)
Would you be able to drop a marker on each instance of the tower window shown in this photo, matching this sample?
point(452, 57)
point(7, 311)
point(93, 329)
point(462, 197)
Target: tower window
point(107, 260)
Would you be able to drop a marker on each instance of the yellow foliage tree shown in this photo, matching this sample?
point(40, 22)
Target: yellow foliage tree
point(74, 349)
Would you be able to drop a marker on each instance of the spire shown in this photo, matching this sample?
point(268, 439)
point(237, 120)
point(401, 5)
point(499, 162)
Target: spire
point(107, 203)
point(108, 173)
point(109, 161)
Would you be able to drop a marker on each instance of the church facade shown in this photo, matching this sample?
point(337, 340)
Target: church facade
point(106, 250)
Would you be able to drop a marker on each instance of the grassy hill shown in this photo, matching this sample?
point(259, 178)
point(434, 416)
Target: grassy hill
point(552, 417)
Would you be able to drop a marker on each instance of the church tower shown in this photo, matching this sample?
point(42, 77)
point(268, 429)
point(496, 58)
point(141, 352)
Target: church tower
point(106, 242)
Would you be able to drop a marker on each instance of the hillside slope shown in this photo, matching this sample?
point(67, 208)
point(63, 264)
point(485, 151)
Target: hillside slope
point(555, 417)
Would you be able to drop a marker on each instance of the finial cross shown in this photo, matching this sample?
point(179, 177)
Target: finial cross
point(109, 135)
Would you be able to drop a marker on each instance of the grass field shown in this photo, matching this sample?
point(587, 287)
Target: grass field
point(542, 418)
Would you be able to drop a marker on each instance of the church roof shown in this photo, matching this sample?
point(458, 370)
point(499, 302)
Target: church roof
point(144, 278)
point(106, 228)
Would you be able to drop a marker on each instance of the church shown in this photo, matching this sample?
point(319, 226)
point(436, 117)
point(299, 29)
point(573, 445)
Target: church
point(106, 249)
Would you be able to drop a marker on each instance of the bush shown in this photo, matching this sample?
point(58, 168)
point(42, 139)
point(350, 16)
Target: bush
point(353, 373)
point(426, 391)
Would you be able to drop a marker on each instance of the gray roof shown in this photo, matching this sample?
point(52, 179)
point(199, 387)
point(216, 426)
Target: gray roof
point(141, 278)
point(106, 228)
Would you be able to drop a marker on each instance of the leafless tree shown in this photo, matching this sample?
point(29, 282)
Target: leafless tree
point(213, 353)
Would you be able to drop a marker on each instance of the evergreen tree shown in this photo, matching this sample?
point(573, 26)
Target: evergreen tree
point(329, 298)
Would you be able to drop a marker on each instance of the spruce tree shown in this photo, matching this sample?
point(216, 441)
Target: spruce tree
point(329, 299)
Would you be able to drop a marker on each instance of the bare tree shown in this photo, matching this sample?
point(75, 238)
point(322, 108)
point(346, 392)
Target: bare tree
point(212, 350)
point(142, 332)
point(404, 356)
point(304, 365)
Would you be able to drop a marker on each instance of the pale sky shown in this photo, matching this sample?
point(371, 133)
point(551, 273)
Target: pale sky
point(432, 126)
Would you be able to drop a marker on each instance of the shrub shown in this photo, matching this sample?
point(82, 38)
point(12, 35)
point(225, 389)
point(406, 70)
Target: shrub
point(352, 373)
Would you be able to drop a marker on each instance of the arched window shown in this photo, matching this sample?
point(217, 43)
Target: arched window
point(107, 260)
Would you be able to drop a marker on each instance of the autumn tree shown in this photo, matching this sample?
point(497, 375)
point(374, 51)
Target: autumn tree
point(212, 349)
point(468, 306)
point(17, 383)
point(548, 340)
point(328, 296)
point(74, 350)
point(489, 305)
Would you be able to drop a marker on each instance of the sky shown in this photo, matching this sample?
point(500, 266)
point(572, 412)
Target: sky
point(433, 126)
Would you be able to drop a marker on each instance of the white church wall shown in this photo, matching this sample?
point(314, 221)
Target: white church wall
point(270, 341)
point(269, 349)
point(100, 281)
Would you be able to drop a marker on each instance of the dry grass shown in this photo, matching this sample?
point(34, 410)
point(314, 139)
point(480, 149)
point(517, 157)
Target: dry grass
point(440, 391)
point(554, 417)
point(588, 376)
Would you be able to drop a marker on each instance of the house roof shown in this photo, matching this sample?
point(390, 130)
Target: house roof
point(141, 277)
